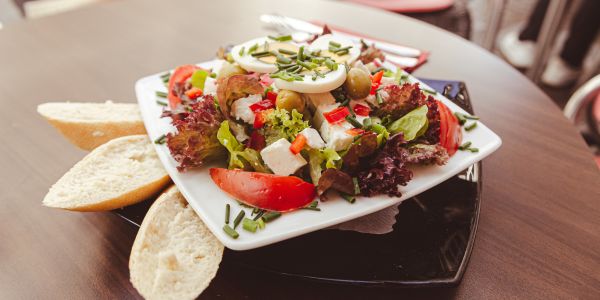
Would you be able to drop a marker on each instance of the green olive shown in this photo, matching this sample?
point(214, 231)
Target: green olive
point(358, 83)
point(290, 100)
point(228, 69)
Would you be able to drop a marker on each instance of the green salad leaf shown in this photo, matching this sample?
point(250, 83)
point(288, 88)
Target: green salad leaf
point(382, 133)
point(322, 159)
point(412, 125)
point(239, 156)
point(283, 124)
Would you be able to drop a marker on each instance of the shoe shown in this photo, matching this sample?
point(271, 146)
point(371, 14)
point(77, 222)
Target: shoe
point(559, 74)
point(518, 53)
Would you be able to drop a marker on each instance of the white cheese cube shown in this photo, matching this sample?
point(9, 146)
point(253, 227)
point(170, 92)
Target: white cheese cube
point(240, 108)
point(210, 86)
point(318, 118)
point(316, 99)
point(313, 139)
point(336, 136)
point(280, 159)
point(388, 81)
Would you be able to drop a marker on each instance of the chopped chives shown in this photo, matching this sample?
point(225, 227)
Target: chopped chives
point(259, 214)
point(334, 44)
point(343, 52)
point(249, 225)
point(316, 53)
point(252, 49)
point(161, 94)
point(356, 187)
point(283, 38)
point(470, 117)
point(379, 98)
point(160, 140)
point(242, 51)
point(285, 51)
point(213, 75)
point(261, 223)
point(254, 211)
point(354, 122)
point(473, 150)
point(161, 103)
point(461, 118)
point(338, 50)
point(318, 60)
point(465, 146)
point(312, 208)
point(283, 60)
point(471, 127)
point(285, 66)
point(307, 65)
point(301, 53)
point(262, 54)
point(227, 211)
point(165, 75)
point(270, 216)
point(231, 232)
point(331, 65)
point(238, 219)
point(348, 198)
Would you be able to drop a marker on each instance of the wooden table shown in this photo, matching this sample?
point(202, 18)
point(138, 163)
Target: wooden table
point(539, 233)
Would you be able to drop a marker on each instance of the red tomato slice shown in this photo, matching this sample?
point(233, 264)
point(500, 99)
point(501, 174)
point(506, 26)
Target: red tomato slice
point(265, 191)
point(179, 76)
point(450, 129)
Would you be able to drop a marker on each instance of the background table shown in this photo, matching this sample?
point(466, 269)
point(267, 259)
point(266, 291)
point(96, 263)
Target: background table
point(539, 232)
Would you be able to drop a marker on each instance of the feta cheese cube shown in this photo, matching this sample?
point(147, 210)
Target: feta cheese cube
point(319, 119)
point(240, 108)
point(210, 86)
point(388, 81)
point(316, 99)
point(336, 136)
point(313, 139)
point(280, 159)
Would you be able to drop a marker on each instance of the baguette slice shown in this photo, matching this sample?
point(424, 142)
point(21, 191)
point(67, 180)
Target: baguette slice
point(89, 125)
point(121, 172)
point(174, 255)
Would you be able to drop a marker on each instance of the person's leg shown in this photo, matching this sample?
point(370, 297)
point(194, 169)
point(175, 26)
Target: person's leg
point(582, 33)
point(535, 21)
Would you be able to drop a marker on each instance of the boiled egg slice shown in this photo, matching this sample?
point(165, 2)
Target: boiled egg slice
point(329, 81)
point(242, 54)
point(330, 44)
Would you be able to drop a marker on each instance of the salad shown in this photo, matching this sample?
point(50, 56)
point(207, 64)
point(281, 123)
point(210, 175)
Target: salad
point(296, 122)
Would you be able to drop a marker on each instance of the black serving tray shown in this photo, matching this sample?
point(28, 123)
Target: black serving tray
point(429, 246)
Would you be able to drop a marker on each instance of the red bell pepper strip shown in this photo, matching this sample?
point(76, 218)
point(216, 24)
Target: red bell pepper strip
point(193, 93)
point(179, 76)
point(272, 96)
point(262, 105)
point(266, 191)
point(337, 115)
point(298, 144)
point(260, 118)
point(376, 81)
point(362, 110)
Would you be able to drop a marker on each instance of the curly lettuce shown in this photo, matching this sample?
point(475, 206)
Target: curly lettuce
point(322, 159)
point(283, 124)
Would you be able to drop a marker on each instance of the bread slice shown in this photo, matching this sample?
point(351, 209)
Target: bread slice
point(174, 255)
point(89, 125)
point(121, 172)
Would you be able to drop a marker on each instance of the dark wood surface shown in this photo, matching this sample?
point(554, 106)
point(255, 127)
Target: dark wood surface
point(539, 232)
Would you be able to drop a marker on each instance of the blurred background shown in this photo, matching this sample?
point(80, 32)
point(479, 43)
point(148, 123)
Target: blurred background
point(553, 42)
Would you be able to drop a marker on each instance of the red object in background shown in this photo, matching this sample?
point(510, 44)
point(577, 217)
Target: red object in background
point(337, 115)
point(407, 6)
point(376, 82)
point(265, 191)
point(179, 76)
point(298, 144)
point(450, 129)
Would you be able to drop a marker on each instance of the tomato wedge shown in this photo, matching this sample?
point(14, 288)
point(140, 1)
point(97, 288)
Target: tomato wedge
point(265, 191)
point(179, 76)
point(450, 130)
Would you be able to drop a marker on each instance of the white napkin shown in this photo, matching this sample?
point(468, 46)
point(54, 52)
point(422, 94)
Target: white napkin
point(380, 222)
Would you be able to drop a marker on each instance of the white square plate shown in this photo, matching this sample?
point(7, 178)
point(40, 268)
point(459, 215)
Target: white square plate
point(209, 201)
